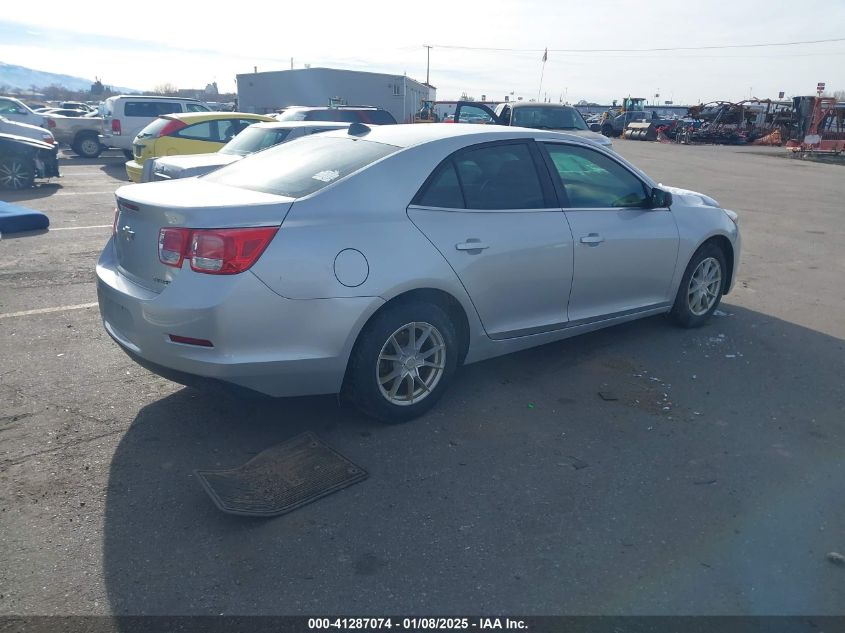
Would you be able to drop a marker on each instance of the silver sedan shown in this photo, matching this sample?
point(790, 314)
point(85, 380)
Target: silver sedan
point(375, 261)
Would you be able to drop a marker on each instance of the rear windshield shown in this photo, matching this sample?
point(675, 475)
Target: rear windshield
point(153, 128)
point(548, 118)
point(254, 139)
point(302, 166)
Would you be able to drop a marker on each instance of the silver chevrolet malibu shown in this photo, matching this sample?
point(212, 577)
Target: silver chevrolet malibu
point(375, 261)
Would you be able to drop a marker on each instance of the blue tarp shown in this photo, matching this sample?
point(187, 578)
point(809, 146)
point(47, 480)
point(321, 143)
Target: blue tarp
point(14, 219)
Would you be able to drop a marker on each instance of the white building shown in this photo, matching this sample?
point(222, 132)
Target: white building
point(268, 91)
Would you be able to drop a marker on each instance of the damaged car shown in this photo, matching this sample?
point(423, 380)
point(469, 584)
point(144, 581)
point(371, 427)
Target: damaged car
point(22, 160)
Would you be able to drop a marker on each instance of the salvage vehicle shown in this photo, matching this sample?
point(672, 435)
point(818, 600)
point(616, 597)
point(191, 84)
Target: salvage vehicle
point(16, 110)
point(189, 133)
point(375, 261)
point(126, 115)
point(22, 160)
point(28, 131)
point(255, 138)
point(82, 133)
point(541, 116)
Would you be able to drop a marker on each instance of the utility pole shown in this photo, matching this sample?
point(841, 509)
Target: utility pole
point(427, 62)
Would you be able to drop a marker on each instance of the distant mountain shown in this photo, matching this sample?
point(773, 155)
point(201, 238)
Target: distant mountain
point(24, 78)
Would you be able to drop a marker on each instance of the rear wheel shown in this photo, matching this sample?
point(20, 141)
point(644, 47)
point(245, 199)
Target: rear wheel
point(701, 287)
point(16, 173)
point(607, 129)
point(87, 146)
point(402, 362)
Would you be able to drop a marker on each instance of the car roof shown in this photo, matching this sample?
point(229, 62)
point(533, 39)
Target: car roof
point(196, 117)
point(409, 134)
point(154, 97)
point(338, 125)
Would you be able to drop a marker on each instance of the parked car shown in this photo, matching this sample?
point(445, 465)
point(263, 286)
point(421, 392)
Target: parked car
point(126, 115)
point(190, 133)
point(542, 116)
point(373, 262)
point(77, 105)
point(22, 160)
point(256, 137)
point(82, 133)
point(16, 110)
point(27, 131)
point(349, 114)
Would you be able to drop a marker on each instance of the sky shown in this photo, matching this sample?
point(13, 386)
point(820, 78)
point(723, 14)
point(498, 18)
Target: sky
point(190, 44)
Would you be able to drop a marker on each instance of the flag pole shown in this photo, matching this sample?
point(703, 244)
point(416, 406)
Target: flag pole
point(542, 72)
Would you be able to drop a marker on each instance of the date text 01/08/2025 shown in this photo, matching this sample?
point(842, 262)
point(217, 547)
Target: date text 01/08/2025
point(416, 624)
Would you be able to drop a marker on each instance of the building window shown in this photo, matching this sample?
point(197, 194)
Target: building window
point(397, 90)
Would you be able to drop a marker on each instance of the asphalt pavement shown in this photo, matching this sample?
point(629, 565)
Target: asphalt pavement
point(643, 469)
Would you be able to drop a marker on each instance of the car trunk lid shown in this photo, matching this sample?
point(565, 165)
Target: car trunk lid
point(143, 210)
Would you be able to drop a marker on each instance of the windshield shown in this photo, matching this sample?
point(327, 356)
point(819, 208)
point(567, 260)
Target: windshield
point(303, 166)
point(253, 139)
point(562, 118)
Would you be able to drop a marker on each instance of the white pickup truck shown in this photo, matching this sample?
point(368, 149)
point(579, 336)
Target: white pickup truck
point(82, 133)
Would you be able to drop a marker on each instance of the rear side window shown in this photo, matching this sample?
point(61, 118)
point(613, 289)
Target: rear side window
point(443, 189)
point(302, 166)
point(150, 108)
point(499, 177)
point(196, 107)
point(205, 131)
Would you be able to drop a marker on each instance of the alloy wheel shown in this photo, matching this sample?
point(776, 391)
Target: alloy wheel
point(411, 363)
point(704, 286)
point(14, 174)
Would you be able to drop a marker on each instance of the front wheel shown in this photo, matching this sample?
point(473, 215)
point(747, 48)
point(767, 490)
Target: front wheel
point(16, 173)
point(701, 287)
point(402, 362)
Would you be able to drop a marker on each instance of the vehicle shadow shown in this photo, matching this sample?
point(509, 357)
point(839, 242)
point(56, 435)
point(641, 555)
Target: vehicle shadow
point(43, 189)
point(522, 492)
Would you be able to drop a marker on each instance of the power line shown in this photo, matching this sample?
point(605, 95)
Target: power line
point(634, 50)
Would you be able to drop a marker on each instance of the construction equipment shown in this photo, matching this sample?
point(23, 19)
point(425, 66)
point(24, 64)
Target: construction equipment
point(819, 126)
point(426, 113)
point(615, 122)
point(727, 123)
point(641, 131)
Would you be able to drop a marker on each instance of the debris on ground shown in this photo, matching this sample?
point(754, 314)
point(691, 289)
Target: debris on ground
point(836, 558)
point(608, 396)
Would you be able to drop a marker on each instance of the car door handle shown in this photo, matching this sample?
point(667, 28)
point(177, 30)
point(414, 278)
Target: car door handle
point(593, 239)
point(471, 245)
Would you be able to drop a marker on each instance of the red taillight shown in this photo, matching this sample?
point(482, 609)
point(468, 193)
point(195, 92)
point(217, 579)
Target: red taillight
point(228, 251)
point(115, 126)
point(114, 222)
point(171, 127)
point(173, 245)
point(214, 251)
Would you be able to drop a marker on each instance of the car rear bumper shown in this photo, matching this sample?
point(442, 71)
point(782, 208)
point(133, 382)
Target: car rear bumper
point(134, 170)
point(261, 341)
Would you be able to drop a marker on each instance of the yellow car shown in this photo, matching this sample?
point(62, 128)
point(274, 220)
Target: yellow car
point(186, 133)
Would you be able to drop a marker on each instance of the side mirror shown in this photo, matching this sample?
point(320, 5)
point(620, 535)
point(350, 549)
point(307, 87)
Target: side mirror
point(659, 199)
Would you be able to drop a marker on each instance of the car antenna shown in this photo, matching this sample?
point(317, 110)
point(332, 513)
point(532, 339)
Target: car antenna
point(359, 129)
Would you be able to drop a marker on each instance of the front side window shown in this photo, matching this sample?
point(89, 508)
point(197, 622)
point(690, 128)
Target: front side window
point(592, 180)
point(474, 114)
point(302, 166)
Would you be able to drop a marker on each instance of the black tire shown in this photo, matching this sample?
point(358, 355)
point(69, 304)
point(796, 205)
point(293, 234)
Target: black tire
point(128, 153)
point(607, 130)
point(681, 312)
point(17, 173)
point(87, 146)
point(361, 384)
